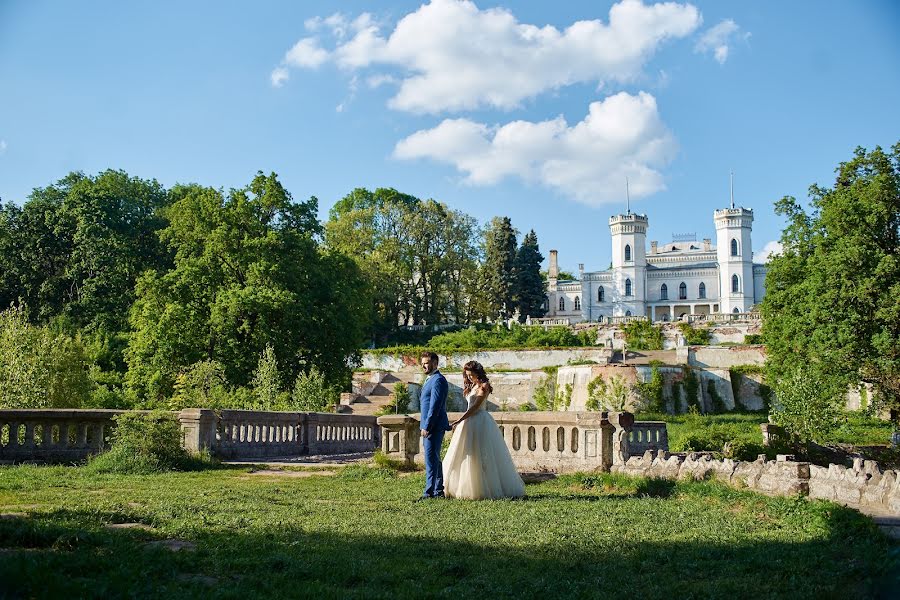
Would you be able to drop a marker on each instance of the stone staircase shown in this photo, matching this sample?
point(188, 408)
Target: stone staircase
point(372, 393)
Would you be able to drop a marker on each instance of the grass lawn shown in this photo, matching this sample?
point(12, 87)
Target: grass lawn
point(709, 432)
point(358, 534)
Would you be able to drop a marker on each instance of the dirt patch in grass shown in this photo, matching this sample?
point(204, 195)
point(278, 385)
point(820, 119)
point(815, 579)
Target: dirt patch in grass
point(286, 473)
point(173, 545)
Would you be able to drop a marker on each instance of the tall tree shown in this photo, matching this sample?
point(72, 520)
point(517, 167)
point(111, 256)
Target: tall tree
point(832, 299)
point(248, 272)
point(498, 268)
point(529, 286)
point(77, 247)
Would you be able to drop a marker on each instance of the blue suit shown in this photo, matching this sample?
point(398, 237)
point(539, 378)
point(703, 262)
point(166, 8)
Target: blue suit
point(433, 419)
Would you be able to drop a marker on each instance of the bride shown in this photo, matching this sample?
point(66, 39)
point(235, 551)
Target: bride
point(478, 465)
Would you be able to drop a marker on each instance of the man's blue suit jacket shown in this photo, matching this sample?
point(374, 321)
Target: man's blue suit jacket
point(433, 404)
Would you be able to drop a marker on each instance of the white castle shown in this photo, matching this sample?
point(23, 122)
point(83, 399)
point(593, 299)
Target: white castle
point(683, 277)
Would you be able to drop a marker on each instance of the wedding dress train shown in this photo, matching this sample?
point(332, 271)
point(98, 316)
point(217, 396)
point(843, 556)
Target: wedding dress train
point(477, 465)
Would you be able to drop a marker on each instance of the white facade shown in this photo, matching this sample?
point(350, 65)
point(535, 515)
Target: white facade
point(668, 281)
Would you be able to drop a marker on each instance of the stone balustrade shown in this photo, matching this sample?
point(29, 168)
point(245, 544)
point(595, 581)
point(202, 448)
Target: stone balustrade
point(73, 435)
point(624, 320)
point(53, 435)
point(647, 435)
point(254, 434)
point(555, 442)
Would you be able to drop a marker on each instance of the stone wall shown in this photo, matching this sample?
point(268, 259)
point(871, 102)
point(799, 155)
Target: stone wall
point(864, 486)
point(495, 360)
point(723, 357)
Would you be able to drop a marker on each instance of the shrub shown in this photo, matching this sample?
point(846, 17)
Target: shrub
point(643, 335)
point(651, 392)
point(691, 387)
point(805, 407)
point(267, 380)
point(399, 402)
point(40, 368)
point(144, 443)
point(613, 394)
point(718, 404)
point(312, 393)
point(753, 338)
point(694, 336)
point(202, 385)
point(544, 397)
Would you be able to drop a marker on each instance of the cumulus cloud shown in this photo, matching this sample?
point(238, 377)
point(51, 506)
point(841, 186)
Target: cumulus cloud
point(717, 39)
point(453, 56)
point(304, 54)
point(773, 247)
point(621, 136)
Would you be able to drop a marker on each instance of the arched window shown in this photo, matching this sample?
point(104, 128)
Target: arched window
point(577, 303)
point(546, 304)
point(736, 310)
point(627, 313)
point(735, 284)
point(627, 287)
point(562, 304)
point(601, 295)
point(702, 293)
point(682, 291)
point(663, 292)
point(734, 247)
point(627, 253)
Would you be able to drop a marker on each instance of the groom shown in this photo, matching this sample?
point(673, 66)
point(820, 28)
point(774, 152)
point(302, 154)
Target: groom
point(434, 423)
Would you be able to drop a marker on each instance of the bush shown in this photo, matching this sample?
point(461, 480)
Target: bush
point(202, 385)
point(651, 392)
point(40, 368)
point(694, 336)
point(312, 393)
point(753, 338)
point(399, 403)
point(805, 407)
point(643, 335)
point(614, 394)
point(144, 443)
point(267, 380)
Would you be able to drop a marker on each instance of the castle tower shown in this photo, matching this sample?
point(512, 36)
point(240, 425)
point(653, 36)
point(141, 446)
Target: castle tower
point(629, 259)
point(734, 253)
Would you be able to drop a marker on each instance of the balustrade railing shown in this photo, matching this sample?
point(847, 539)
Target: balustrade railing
point(73, 435)
point(537, 441)
point(54, 435)
point(647, 435)
point(624, 320)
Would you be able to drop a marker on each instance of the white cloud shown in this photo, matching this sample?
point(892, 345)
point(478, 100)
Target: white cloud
point(717, 39)
point(3, 146)
point(768, 250)
point(304, 54)
point(622, 136)
point(454, 56)
point(279, 75)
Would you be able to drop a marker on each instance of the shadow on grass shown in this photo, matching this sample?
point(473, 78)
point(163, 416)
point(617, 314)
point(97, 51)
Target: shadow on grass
point(71, 554)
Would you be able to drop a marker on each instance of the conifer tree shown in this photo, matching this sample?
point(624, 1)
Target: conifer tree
point(529, 285)
point(499, 267)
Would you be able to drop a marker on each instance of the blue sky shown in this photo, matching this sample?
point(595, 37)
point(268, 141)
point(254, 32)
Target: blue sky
point(534, 110)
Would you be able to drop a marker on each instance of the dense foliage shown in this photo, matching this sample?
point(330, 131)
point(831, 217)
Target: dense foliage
point(500, 337)
point(643, 335)
point(832, 301)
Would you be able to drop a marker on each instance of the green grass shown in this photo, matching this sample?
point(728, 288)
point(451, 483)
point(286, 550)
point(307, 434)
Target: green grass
point(857, 429)
point(358, 534)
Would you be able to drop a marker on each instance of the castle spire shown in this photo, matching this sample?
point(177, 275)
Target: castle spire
point(732, 189)
point(627, 198)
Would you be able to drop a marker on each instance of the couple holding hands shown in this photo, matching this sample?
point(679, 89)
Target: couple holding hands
point(477, 465)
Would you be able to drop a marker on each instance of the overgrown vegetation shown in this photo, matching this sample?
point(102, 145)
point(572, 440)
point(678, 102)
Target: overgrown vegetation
point(643, 335)
point(483, 337)
point(651, 391)
point(806, 407)
point(612, 394)
point(832, 304)
point(259, 535)
point(400, 400)
point(143, 443)
point(694, 336)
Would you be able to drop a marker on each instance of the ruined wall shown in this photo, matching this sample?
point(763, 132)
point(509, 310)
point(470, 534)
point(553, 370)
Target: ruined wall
point(863, 486)
point(497, 360)
point(723, 357)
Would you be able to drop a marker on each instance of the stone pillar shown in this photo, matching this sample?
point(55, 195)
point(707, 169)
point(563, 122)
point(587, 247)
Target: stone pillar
point(622, 423)
point(400, 437)
point(198, 429)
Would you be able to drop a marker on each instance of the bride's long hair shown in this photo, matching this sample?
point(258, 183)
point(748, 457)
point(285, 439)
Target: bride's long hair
point(478, 376)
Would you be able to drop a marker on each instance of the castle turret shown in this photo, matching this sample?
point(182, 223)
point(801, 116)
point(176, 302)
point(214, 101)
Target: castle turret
point(734, 252)
point(629, 259)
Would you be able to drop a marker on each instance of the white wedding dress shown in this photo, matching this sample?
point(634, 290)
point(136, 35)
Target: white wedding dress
point(477, 465)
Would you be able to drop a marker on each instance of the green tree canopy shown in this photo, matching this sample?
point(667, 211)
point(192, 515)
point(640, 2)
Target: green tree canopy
point(832, 299)
point(248, 272)
point(499, 267)
point(528, 292)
